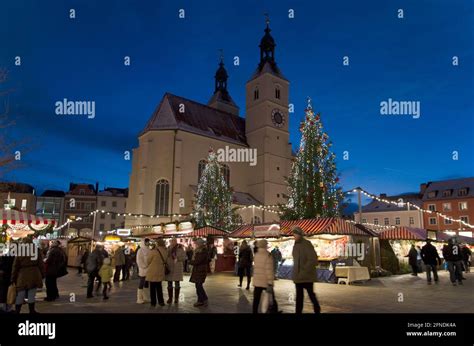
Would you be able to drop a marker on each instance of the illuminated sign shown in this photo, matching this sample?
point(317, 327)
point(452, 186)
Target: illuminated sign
point(123, 232)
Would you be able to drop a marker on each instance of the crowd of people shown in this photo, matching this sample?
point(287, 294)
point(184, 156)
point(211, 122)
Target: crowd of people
point(154, 263)
point(457, 259)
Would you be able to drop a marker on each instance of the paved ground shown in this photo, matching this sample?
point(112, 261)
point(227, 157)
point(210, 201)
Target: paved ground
point(396, 294)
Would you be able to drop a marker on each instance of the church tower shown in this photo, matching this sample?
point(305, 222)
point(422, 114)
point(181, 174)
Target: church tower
point(267, 127)
point(221, 98)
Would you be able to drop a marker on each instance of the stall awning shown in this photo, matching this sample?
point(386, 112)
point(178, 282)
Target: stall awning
point(443, 237)
point(244, 231)
point(15, 217)
point(404, 233)
point(329, 225)
point(207, 231)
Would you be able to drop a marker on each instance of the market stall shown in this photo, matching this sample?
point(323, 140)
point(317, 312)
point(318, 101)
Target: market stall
point(75, 249)
point(17, 224)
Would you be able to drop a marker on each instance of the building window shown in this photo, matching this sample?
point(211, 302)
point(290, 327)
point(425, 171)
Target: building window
point(432, 221)
point(102, 216)
point(255, 94)
point(462, 205)
point(364, 220)
point(432, 194)
point(462, 192)
point(226, 173)
point(256, 219)
point(114, 216)
point(432, 207)
point(376, 221)
point(278, 195)
point(201, 166)
point(447, 221)
point(411, 220)
point(112, 226)
point(103, 203)
point(101, 227)
point(447, 193)
point(386, 221)
point(277, 93)
point(397, 221)
point(446, 206)
point(82, 192)
point(278, 168)
point(114, 204)
point(162, 197)
point(465, 219)
point(23, 205)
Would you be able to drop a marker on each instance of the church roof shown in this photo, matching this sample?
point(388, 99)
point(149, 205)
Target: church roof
point(178, 113)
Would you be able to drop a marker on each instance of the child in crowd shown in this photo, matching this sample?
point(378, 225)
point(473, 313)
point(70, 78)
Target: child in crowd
point(105, 274)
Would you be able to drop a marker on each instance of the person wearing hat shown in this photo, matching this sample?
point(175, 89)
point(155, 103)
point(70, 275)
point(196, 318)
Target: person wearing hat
point(263, 274)
point(155, 273)
point(305, 260)
point(431, 259)
point(200, 262)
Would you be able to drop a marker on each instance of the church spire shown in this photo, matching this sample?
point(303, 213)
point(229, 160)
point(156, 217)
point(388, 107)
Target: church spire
point(221, 98)
point(267, 45)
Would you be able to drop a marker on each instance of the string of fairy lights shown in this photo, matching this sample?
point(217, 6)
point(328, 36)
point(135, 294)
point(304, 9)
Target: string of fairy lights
point(271, 209)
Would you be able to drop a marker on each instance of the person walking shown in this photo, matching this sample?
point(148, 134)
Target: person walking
point(200, 261)
point(6, 267)
point(84, 260)
point(304, 270)
point(27, 275)
point(277, 257)
point(212, 257)
point(156, 272)
point(78, 261)
point(452, 254)
point(431, 259)
point(466, 257)
point(119, 259)
point(419, 261)
point(413, 260)
point(245, 263)
point(55, 267)
point(105, 273)
point(263, 273)
point(94, 262)
point(143, 292)
point(175, 259)
point(127, 265)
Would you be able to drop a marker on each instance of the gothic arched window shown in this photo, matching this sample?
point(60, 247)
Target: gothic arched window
point(162, 197)
point(277, 92)
point(255, 94)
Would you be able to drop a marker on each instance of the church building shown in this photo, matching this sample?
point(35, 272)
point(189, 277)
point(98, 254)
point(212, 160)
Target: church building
point(175, 143)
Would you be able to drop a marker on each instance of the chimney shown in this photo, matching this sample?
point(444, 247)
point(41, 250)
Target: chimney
point(423, 188)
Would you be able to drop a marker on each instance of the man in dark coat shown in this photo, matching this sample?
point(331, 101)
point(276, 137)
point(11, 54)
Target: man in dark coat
point(94, 262)
point(55, 267)
point(431, 259)
point(200, 263)
point(305, 261)
point(466, 257)
point(6, 267)
point(452, 254)
point(412, 260)
point(245, 263)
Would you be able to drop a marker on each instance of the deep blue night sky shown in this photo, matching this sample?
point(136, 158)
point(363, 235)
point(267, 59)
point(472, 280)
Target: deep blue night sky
point(82, 59)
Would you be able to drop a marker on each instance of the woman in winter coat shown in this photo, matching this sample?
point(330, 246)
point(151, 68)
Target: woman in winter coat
point(156, 272)
point(263, 274)
point(28, 276)
point(245, 263)
point(200, 261)
point(143, 293)
point(413, 260)
point(175, 260)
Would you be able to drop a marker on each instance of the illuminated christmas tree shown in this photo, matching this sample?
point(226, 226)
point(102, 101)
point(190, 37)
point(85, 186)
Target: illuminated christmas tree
point(313, 182)
point(214, 197)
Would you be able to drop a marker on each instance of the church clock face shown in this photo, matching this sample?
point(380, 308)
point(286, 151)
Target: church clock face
point(278, 118)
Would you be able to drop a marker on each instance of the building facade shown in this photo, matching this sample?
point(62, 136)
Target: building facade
point(18, 196)
point(383, 214)
point(79, 202)
point(50, 205)
point(175, 143)
point(453, 198)
point(112, 201)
